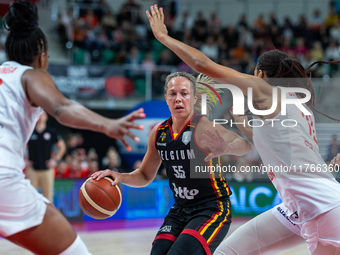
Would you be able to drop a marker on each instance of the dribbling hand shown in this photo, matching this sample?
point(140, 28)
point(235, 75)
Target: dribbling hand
point(216, 144)
point(117, 177)
point(156, 19)
point(120, 127)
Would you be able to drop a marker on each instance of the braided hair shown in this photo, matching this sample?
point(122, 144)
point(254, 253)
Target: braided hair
point(277, 65)
point(25, 40)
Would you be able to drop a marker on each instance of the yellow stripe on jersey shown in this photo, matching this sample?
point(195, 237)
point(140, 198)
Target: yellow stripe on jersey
point(221, 223)
point(217, 189)
point(214, 219)
point(175, 135)
point(163, 127)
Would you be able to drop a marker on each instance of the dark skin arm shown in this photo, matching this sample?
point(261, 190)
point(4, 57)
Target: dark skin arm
point(142, 176)
point(41, 91)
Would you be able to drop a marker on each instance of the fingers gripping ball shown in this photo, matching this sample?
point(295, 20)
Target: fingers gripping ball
point(99, 199)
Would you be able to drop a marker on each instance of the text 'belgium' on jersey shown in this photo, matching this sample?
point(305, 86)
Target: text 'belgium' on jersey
point(180, 155)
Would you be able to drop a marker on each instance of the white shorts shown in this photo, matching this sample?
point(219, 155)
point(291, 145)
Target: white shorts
point(324, 228)
point(21, 206)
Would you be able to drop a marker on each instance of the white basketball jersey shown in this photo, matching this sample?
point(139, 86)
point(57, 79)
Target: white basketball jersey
point(294, 165)
point(17, 118)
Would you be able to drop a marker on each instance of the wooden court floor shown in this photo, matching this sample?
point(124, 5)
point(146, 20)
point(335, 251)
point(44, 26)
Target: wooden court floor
point(122, 242)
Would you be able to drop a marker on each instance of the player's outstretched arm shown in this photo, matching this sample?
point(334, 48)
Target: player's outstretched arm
point(142, 176)
point(41, 91)
point(220, 141)
point(201, 63)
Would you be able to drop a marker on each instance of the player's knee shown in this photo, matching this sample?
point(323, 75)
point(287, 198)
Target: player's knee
point(187, 245)
point(76, 248)
point(161, 247)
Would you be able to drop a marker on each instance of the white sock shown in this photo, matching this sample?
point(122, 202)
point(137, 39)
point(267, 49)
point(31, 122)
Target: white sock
point(76, 248)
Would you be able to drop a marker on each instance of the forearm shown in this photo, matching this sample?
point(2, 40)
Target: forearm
point(239, 147)
point(136, 179)
point(59, 155)
point(75, 115)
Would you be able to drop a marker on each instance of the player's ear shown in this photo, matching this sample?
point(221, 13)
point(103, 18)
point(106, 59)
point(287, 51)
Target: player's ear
point(42, 60)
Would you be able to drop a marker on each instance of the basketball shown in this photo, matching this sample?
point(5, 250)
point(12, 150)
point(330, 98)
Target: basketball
point(99, 199)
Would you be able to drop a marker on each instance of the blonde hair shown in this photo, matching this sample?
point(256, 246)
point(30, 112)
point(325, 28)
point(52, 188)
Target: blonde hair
point(201, 85)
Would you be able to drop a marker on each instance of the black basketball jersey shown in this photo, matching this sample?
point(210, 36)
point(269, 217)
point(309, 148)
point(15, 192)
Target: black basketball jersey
point(180, 156)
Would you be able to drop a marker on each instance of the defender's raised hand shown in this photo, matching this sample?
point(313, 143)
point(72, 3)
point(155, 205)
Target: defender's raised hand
point(216, 144)
point(120, 127)
point(156, 19)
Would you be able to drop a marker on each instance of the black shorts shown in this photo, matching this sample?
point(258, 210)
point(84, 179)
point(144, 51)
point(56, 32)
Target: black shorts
point(208, 223)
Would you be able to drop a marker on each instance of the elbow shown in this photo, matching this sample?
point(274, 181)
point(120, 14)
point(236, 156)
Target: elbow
point(200, 64)
point(59, 110)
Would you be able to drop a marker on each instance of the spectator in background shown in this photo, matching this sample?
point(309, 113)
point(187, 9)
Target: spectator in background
point(40, 168)
point(199, 36)
point(302, 29)
point(109, 23)
point(242, 23)
point(300, 49)
point(287, 30)
point(92, 154)
point(333, 149)
point(246, 38)
point(129, 11)
point(210, 48)
point(332, 17)
point(275, 36)
point(148, 62)
point(214, 22)
point(62, 171)
point(259, 23)
point(332, 51)
point(316, 20)
point(183, 23)
point(103, 40)
point(134, 60)
point(231, 36)
point(75, 170)
point(140, 26)
point(113, 161)
point(90, 20)
point(93, 167)
point(272, 19)
point(67, 21)
point(335, 32)
point(165, 58)
point(200, 20)
point(317, 52)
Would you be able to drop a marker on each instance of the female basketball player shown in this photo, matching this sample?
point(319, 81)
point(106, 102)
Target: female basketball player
point(311, 199)
point(26, 217)
point(201, 217)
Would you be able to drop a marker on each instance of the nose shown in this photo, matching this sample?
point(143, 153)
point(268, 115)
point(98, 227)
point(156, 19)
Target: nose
point(178, 97)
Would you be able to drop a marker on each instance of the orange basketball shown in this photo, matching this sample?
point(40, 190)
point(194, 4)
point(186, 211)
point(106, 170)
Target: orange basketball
point(99, 199)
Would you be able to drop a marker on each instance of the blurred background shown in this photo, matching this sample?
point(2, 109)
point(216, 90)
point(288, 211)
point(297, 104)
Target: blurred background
point(103, 55)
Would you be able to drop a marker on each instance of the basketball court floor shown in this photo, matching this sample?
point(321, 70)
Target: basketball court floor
point(122, 238)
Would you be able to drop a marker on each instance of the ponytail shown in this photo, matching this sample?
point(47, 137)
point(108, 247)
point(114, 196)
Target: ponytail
point(204, 84)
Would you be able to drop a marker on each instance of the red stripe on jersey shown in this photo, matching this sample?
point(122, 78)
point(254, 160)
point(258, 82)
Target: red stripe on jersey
point(199, 238)
point(165, 236)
